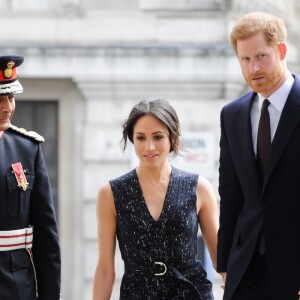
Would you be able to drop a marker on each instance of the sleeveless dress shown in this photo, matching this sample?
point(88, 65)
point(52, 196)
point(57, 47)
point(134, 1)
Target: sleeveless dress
point(160, 256)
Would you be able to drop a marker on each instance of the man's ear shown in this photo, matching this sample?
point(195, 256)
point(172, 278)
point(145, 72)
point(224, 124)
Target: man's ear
point(282, 50)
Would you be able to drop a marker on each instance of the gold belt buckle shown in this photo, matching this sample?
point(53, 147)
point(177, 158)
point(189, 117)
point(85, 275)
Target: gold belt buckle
point(161, 264)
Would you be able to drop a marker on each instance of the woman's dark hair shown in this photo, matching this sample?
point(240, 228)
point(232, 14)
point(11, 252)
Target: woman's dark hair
point(161, 110)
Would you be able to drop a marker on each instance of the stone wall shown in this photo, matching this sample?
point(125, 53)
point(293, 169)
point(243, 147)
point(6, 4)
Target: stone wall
point(98, 59)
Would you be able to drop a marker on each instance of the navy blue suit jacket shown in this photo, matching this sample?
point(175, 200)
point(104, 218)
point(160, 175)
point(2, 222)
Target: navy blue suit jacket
point(21, 209)
point(246, 205)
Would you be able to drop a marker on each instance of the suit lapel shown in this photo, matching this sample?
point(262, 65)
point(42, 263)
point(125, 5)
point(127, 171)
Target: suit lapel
point(289, 120)
point(245, 136)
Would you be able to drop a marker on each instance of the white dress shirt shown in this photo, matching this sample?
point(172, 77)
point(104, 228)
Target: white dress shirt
point(277, 102)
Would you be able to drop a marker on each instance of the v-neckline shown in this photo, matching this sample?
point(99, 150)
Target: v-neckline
point(148, 213)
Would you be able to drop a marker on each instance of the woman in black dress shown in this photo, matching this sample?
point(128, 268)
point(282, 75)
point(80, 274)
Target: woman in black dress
point(154, 211)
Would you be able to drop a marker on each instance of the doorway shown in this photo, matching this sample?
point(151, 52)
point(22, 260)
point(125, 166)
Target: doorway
point(42, 117)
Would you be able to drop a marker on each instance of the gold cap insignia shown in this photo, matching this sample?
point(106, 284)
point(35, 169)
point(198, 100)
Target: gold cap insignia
point(8, 72)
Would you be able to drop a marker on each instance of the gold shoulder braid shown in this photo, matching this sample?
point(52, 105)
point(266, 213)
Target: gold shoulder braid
point(31, 134)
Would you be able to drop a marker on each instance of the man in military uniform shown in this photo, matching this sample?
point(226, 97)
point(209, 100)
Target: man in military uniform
point(29, 244)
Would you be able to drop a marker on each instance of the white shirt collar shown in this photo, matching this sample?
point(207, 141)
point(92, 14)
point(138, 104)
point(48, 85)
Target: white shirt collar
point(278, 98)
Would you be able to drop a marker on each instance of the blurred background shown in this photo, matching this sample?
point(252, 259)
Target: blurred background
point(87, 62)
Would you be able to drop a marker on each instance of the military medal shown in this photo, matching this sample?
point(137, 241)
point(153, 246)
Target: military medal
point(20, 176)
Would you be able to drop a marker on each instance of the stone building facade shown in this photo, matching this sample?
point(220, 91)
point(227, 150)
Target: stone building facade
point(94, 60)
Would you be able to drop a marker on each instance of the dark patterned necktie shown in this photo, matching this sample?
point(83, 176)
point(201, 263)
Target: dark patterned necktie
point(263, 150)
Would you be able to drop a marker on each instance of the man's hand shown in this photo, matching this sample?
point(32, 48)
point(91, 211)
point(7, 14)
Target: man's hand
point(223, 274)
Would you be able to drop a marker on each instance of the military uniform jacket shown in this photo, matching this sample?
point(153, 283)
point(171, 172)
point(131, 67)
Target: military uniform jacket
point(20, 209)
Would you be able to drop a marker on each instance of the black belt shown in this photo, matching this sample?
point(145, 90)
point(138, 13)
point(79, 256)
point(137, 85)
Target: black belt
point(171, 268)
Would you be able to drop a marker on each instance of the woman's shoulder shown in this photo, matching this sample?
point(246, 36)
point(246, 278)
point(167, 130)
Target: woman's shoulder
point(205, 190)
point(124, 178)
point(115, 184)
point(204, 183)
point(182, 174)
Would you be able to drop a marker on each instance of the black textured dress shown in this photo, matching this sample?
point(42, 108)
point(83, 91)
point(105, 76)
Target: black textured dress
point(159, 256)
